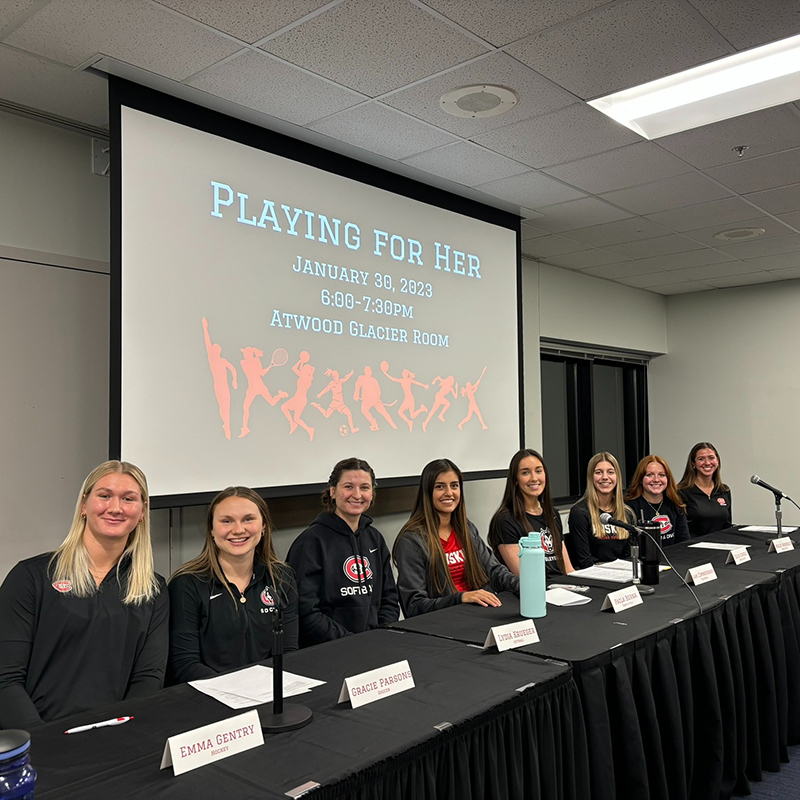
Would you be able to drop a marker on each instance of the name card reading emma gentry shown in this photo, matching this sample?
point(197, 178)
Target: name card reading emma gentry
point(780, 545)
point(376, 684)
point(193, 749)
point(507, 637)
point(702, 574)
point(622, 599)
point(738, 555)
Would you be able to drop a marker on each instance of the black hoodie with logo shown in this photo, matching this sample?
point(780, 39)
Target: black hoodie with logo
point(344, 579)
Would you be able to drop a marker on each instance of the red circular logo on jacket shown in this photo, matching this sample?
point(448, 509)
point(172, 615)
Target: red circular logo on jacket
point(721, 501)
point(62, 586)
point(351, 568)
point(664, 521)
point(266, 597)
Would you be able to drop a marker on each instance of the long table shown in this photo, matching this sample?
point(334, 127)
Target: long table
point(682, 698)
point(509, 725)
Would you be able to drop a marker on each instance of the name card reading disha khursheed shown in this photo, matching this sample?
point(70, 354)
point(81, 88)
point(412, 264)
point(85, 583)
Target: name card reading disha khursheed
point(376, 684)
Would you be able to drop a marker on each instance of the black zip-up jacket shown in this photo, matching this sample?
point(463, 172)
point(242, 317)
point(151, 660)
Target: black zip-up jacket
point(344, 579)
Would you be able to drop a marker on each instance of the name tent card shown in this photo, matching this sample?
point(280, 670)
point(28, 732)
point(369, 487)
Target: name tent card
point(781, 545)
point(702, 574)
point(516, 634)
point(376, 684)
point(738, 555)
point(622, 599)
point(193, 749)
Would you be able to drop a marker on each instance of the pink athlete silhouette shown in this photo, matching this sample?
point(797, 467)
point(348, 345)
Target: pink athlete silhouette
point(219, 372)
point(337, 401)
point(370, 391)
point(407, 381)
point(469, 391)
point(448, 386)
point(293, 408)
point(255, 371)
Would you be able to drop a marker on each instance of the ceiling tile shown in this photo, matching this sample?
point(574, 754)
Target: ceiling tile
point(680, 288)
point(746, 24)
point(682, 190)
point(531, 189)
point(622, 270)
point(511, 19)
point(792, 219)
point(617, 169)
point(624, 230)
point(764, 132)
point(584, 259)
point(248, 20)
point(704, 215)
point(692, 258)
point(652, 279)
point(791, 273)
point(33, 82)
point(578, 214)
point(547, 246)
point(767, 172)
point(729, 281)
point(778, 261)
point(537, 95)
point(777, 201)
point(134, 31)
point(763, 247)
point(243, 78)
point(374, 46)
point(635, 41)
point(382, 130)
point(466, 163)
point(531, 232)
point(771, 228)
point(729, 268)
point(564, 135)
point(11, 10)
point(663, 245)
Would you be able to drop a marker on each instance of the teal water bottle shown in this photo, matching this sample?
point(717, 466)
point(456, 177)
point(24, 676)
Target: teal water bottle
point(532, 587)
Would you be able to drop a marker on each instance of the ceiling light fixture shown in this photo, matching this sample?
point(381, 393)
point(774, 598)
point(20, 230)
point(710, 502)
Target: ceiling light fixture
point(739, 84)
point(478, 101)
point(739, 234)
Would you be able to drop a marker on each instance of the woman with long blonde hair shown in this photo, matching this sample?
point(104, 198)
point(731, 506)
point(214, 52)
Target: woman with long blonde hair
point(588, 540)
point(222, 602)
point(86, 625)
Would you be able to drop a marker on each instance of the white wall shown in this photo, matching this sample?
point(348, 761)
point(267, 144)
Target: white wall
point(732, 378)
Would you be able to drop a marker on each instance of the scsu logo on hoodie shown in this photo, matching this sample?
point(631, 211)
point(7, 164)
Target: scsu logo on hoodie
point(358, 569)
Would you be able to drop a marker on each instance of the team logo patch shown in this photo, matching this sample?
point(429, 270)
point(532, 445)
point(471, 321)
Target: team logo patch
point(351, 568)
point(266, 598)
point(664, 521)
point(62, 586)
point(547, 542)
point(721, 501)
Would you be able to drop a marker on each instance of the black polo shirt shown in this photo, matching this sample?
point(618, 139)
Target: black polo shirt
point(707, 514)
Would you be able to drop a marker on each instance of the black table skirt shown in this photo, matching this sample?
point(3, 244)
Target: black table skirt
point(503, 743)
point(683, 705)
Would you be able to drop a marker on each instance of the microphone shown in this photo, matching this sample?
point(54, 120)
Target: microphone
point(758, 482)
point(607, 519)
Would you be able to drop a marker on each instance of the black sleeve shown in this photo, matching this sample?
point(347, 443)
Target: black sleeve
point(730, 507)
point(147, 675)
point(412, 578)
point(18, 611)
point(185, 663)
point(389, 610)
point(681, 527)
point(291, 626)
point(509, 531)
point(500, 579)
point(578, 536)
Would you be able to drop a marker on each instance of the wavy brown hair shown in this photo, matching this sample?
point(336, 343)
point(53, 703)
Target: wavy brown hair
point(343, 466)
point(636, 488)
point(689, 478)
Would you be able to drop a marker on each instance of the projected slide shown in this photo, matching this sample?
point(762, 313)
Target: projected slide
point(277, 318)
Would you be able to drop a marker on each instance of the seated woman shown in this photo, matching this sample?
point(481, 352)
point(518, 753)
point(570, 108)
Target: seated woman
point(653, 497)
point(86, 625)
point(707, 498)
point(344, 573)
point(441, 560)
point(527, 506)
point(222, 602)
point(588, 540)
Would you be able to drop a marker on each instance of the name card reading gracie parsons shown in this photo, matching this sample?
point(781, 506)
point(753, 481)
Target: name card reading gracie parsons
point(376, 684)
point(193, 749)
point(622, 599)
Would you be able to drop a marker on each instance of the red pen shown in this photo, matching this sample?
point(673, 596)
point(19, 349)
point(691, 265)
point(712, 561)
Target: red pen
point(105, 724)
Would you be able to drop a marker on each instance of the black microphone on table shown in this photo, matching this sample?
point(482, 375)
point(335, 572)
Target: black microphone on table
point(607, 519)
point(758, 482)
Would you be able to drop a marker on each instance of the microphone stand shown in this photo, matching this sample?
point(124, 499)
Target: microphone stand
point(278, 716)
point(637, 581)
point(778, 514)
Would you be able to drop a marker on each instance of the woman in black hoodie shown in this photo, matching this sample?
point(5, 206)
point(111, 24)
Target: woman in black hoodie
point(342, 564)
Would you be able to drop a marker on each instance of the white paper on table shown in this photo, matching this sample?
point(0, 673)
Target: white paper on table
point(717, 546)
point(563, 597)
point(252, 686)
point(618, 571)
point(767, 529)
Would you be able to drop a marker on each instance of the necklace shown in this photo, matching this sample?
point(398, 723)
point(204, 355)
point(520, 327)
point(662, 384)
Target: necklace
point(655, 510)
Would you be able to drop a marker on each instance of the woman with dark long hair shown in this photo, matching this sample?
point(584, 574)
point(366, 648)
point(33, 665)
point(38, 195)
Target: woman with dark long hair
point(707, 498)
point(441, 559)
point(527, 507)
point(223, 600)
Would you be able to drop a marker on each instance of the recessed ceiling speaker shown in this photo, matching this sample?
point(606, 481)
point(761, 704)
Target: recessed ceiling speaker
point(477, 101)
point(739, 234)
